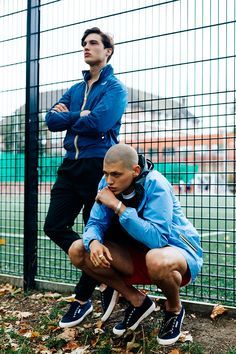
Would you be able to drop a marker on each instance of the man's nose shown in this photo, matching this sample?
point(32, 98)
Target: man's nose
point(109, 180)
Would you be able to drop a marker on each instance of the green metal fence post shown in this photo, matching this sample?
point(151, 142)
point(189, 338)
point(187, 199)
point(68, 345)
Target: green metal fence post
point(31, 143)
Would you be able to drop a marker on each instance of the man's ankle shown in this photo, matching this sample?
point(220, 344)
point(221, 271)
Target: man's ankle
point(102, 287)
point(175, 309)
point(138, 300)
point(82, 302)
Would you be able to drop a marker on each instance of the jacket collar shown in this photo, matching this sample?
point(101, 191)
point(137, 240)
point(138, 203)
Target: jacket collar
point(104, 72)
point(146, 166)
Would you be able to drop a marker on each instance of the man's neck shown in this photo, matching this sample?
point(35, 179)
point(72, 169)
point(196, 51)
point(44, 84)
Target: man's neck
point(95, 71)
point(129, 190)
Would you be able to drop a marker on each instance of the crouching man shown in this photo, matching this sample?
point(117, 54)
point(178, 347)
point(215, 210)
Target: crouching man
point(138, 234)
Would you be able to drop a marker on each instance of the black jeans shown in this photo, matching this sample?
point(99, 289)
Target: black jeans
point(74, 189)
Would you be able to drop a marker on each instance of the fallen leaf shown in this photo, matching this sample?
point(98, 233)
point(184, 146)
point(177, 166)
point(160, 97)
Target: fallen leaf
point(14, 346)
point(52, 295)
point(8, 327)
point(99, 324)
point(43, 350)
point(6, 289)
point(174, 351)
point(68, 334)
point(88, 325)
point(132, 344)
point(23, 314)
point(35, 334)
point(185, 336)
point(67, 298)
point(2, 241)
point(81, 329)
point(44, 338)
point(54, 328)
point(30, 334)
point(94, 341)
point(97, 314)
point(154, 332)
point(22, 331)
point(16, 291)
point(36, 296)
point(217, 310)
point(98, 331)
point(157, 308)
point(71, 345)
point(81, 350)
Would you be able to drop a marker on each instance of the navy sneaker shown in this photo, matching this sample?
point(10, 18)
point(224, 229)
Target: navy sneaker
point(76, 314)
point(170, 327)
point(133, 316)
point(109, 299)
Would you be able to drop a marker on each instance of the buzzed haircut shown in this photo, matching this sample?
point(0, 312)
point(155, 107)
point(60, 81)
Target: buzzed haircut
point(122, 152)
point(106, 38)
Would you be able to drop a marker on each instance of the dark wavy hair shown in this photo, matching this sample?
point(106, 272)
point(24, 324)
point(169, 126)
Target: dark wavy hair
point(107, 39)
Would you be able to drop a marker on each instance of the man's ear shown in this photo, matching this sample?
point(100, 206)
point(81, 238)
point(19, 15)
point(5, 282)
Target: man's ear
point(136, 171)
point(108, 52)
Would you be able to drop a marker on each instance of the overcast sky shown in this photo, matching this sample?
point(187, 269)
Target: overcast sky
point(193, 37)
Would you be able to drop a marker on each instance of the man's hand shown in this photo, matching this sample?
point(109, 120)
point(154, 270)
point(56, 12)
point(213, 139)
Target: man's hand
point(60, 107)
point(107, 197)
point(100, 255)
point(84, 113)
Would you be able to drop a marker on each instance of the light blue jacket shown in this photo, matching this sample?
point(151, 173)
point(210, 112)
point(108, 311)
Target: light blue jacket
point(162, 223)
point(92, 135)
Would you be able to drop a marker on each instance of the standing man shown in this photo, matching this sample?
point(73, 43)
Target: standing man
point(90, 112)
point(137, 234)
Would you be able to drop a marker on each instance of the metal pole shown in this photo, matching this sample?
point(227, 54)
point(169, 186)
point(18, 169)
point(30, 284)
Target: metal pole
point(31, 144)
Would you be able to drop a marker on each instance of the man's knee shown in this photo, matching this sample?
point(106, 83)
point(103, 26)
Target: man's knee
point(158, 264)
point(77, 253)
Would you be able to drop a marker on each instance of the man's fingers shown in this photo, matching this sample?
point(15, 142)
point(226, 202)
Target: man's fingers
point(57, 108)
point(85, 113)
point(108, 255)
point(60, 107)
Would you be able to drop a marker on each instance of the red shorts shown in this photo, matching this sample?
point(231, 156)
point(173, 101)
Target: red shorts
point(141, 275)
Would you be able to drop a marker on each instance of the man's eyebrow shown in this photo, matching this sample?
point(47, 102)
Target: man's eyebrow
point(117, 172)
point(91, 40)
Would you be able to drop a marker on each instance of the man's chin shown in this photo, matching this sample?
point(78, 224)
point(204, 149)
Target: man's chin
point(91, 62)
point(115, 192)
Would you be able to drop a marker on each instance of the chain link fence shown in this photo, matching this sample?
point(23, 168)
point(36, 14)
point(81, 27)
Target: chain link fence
point(177, 59)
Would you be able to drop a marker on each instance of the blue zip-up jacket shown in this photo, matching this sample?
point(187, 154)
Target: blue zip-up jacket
point(162, 223)
point(91, 135)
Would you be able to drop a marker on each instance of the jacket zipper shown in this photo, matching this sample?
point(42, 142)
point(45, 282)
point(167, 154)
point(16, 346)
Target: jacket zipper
point(83, 105)
point(187, 242)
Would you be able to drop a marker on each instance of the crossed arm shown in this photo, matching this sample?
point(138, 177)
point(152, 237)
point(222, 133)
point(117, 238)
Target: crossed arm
point(61, 107)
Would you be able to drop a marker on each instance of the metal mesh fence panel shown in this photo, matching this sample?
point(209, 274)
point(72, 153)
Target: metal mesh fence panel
point(12, 128)
point(177, 59)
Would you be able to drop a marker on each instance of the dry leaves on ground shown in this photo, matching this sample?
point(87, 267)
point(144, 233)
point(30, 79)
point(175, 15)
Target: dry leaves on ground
point(31, 321)
point(217, 311)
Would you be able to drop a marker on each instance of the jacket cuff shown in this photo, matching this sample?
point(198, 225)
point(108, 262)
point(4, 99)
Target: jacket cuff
point(75, 116)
